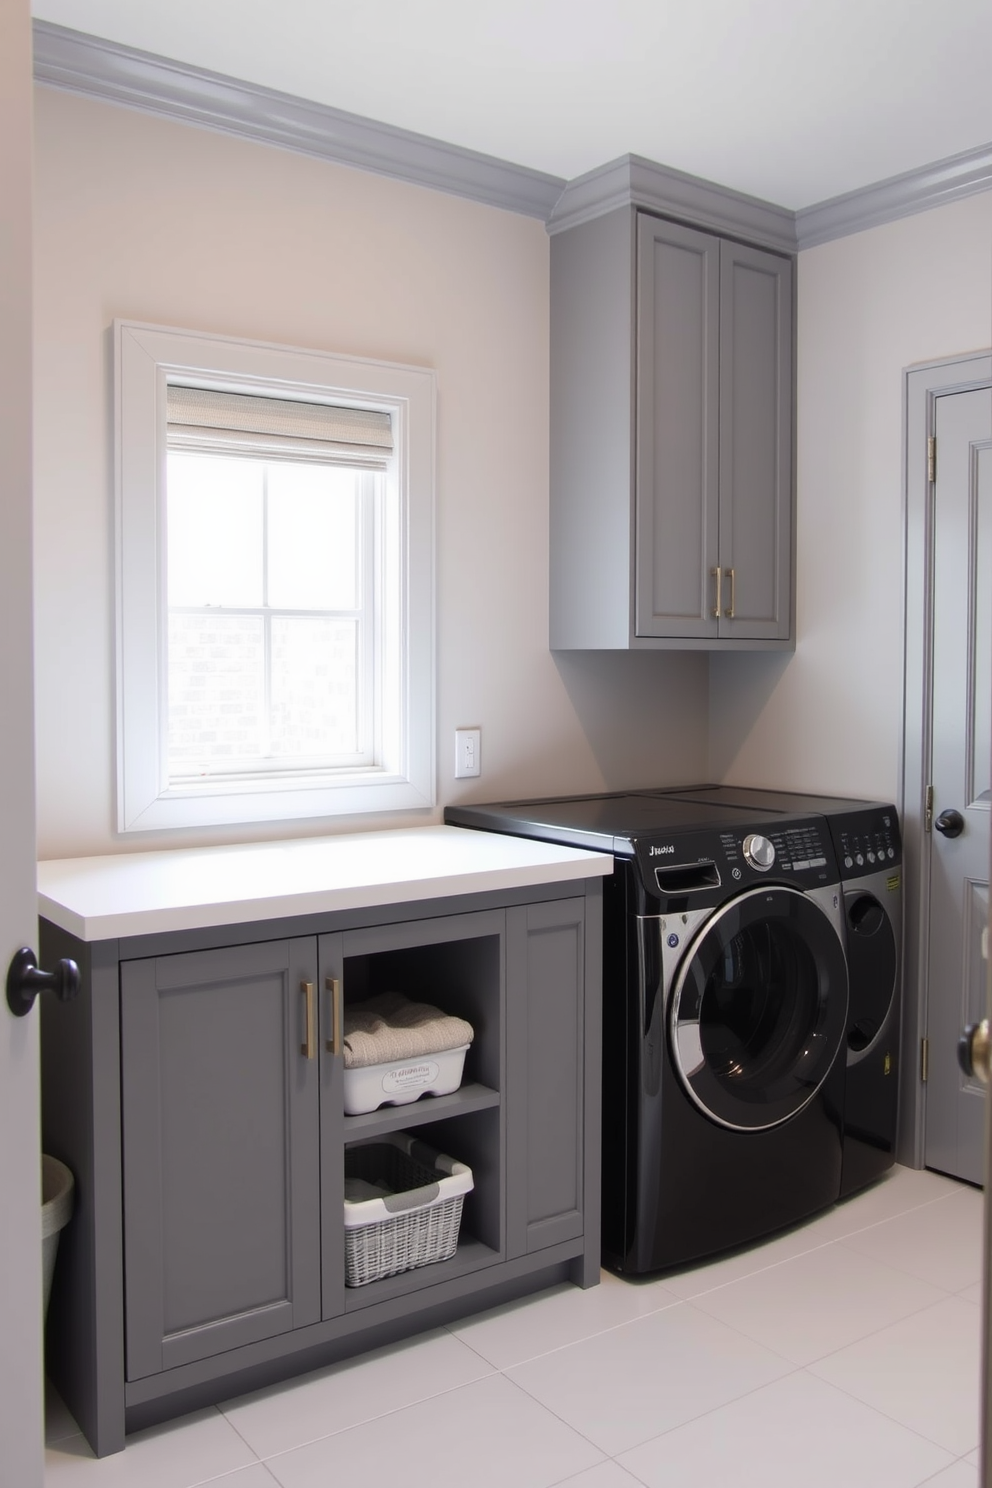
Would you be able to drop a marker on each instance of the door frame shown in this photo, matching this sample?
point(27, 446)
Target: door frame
point(923, 384)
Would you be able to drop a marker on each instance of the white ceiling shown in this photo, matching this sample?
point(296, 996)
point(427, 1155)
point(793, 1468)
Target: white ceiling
point(795, 101)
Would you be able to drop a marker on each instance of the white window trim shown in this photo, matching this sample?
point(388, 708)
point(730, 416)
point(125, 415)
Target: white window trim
point(146, 358)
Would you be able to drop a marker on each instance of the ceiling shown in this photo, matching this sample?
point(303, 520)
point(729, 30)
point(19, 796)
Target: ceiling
point(794, 101)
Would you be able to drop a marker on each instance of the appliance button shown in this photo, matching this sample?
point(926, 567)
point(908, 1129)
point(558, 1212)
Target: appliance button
point(892, 852)
point(859, 860)
point(673, 941)
point(848, 861)
point(871, 857)
point(817, 862)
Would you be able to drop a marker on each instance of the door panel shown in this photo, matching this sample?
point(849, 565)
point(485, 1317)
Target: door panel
point(960, 733)
point(755, 442)
point(544, 1107)
point(21, 1433)
point(678, 348)
point(221, 1229)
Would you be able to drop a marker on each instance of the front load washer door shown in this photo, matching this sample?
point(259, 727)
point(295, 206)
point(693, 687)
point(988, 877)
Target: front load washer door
point(758, 1010)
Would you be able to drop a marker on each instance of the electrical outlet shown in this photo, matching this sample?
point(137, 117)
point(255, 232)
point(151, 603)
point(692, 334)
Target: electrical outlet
point(468, 743)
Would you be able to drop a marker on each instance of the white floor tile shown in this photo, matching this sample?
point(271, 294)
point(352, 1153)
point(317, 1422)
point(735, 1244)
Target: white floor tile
point(817, 1303)
point(900, 1191)
point(922, 1371)
point(959, 1475)
point(940, 1243)
point(344, 1395)
point(177, 1455)
point(519, 1331)
point(488, 1434)
point(795, 1431)
point(606, 1475)
point(629, 1384)
point(706, 1277)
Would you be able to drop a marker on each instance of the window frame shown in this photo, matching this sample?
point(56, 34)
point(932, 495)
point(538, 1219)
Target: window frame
point(147, 357)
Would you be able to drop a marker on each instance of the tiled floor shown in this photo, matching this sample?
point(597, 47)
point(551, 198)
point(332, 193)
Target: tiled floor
point(842, 1354)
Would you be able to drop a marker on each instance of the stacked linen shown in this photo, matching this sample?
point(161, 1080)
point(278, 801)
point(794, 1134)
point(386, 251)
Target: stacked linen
point(396, 1050)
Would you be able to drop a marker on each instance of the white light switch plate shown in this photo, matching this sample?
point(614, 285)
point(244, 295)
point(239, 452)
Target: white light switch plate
point(468, 743)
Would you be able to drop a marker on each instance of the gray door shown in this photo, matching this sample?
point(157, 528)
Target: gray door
point(961, 734)
point(755, 443)
point(677, 422)
point(20, 1140)
point(219, 1060)
point(544, 1110)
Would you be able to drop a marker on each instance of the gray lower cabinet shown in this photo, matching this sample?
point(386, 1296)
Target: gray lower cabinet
point(207, 1254)
point(671, 438)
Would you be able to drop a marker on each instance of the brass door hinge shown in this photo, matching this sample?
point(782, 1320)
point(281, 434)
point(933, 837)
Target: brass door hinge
point(924, 1059)
point(932, 458)
point(928, 811)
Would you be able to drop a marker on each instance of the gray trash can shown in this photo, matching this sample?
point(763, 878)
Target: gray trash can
point(56, 1212)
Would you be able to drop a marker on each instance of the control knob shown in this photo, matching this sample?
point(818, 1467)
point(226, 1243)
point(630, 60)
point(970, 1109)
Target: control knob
point(758, 851)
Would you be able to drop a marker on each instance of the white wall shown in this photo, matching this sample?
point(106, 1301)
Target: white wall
point(829, 718)
point(152, 220)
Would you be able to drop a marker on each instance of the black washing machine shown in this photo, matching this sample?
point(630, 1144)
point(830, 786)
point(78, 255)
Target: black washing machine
point(725, 1015)
point(868, 849)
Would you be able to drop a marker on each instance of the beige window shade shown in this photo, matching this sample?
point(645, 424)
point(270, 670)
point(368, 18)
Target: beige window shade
point(204, 419)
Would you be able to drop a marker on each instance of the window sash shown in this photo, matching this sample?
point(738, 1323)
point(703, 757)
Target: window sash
point(368, 615)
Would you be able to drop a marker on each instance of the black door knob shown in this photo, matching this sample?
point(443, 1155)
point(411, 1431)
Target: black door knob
point(25, 981)
point(950, 823)
point(975, 1051)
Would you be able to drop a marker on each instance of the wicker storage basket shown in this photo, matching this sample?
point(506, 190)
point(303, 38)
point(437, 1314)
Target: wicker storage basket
point(417, 1222)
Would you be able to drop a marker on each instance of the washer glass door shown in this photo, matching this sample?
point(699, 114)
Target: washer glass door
point(759, 1008)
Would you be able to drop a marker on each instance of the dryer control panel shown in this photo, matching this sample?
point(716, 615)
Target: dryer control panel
point(866, 841)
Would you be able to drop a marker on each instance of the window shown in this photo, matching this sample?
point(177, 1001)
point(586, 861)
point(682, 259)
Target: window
point(275, 536)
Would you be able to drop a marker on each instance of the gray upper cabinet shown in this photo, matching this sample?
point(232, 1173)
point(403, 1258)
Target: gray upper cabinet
point(671, 438)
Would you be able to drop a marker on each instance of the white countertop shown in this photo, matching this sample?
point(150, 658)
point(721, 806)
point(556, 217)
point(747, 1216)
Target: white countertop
point(186, 889)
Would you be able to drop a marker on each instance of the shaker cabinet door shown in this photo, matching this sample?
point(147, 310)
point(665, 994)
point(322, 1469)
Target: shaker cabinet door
point(755, 443)
point(545, 1074)
point(677, 429)
point(220, 1131)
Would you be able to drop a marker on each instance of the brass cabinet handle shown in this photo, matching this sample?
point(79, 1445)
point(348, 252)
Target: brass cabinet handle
point(733, 594)
point(309, 1049)
point(717, 573)
point(335, 1043)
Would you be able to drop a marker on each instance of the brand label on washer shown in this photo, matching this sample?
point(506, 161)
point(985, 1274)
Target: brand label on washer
point(410, 1077)
point(657, 852)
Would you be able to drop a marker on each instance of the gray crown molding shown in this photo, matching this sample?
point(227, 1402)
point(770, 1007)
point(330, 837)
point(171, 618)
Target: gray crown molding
point(102, 69)
point(914, 191)
point(633, 181)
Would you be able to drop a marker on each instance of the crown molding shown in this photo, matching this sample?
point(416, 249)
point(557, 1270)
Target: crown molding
point(634, 181)
point(86, 64)
point(102, 69)
point(914, 191)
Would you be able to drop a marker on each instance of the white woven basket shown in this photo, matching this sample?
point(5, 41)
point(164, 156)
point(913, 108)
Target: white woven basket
point(414, 1225)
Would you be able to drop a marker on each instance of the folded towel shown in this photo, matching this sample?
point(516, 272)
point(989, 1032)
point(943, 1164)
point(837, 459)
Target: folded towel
point(389, 1028)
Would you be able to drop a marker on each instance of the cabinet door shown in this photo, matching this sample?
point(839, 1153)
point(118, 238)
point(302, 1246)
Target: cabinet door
point(545, 985)
point(755, 443)
point(677, 438)
point(221, 1222)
